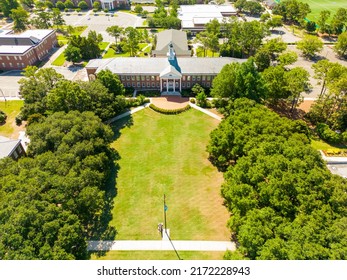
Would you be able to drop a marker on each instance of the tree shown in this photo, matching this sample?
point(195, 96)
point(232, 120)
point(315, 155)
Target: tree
point(96, 6)
point(287, 58)
point(93, 36)
point(73, 54)
point(238, 80)
point(310, 46)
point(298, 82)
point(341, 45)
point(322, 21)
point(42, 20)
point(57, 18)
point(20, 19)
point(35, 87)
point(111, 81)
point(114, 31)
point(83, 5)
point(138, 9)
point(7, 5)
point(339, 21)
point(131, 42)
point(253, 7)
point(69, 4)
point(60, 5)
point(28, 3)
point(275, 21)
point(276, 84)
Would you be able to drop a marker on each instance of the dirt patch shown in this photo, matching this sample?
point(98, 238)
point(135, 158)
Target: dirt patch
point(216, 112)
point(306, 105)
point(170, 102)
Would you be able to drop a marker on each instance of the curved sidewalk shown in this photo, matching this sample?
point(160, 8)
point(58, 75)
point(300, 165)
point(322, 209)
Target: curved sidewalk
point(159, 245)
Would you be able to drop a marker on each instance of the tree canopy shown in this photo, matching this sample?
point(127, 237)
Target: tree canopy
point(281, 196)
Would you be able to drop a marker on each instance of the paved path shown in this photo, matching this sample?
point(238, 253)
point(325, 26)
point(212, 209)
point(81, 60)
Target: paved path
point(128, 113)
point(207, 112)
point(333, 160)
point(159, 245)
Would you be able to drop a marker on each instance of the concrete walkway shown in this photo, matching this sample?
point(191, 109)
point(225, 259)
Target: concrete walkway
point(333, 160)
point(128, 113)
point(156, 245)
point(207, 112)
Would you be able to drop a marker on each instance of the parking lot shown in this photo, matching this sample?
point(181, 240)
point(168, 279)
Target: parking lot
point(99, 22)
point(9, 84)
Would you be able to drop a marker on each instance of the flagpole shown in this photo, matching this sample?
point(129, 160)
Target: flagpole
point(164, 214)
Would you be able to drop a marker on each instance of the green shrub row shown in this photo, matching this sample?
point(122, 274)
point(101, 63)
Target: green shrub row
point(169, 111)
point(3, 117)
point(138, 101)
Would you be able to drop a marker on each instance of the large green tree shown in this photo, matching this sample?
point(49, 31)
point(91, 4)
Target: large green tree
point(20, 19)
point(237, 80)
point(310, 45)
point(7, 5)
point(341, 45)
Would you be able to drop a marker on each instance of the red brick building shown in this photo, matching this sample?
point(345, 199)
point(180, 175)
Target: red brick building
point(17, 51)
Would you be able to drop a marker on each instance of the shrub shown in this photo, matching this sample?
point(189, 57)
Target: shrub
point(3, 117)
point(169, 111)
point(83, 5)
point(19, 120)
point(78, 10)
point(60, 5)
point(328, 134)
point(201, 99)
point(192, 100)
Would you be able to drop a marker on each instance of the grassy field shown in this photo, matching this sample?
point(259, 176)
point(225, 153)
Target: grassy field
point(166, 154)
point(158, 255)
point(319, 144)
point(319, 5)
point(12, 109)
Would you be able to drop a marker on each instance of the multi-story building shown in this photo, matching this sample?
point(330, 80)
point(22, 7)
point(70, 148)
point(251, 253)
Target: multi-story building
point(112, 4)
point(17, 51)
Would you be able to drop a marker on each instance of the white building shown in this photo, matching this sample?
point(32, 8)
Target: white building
point(195, 17)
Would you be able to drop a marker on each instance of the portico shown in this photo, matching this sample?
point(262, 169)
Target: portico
point(170, 80)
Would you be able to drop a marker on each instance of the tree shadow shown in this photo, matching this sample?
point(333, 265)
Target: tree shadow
point(284, 110)
point(103, 230)
point(118, 125)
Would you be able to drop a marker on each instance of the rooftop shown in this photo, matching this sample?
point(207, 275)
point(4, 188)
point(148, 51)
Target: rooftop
point(177, 38)
point(14, 49)
point(7, 146)
point(155, 65)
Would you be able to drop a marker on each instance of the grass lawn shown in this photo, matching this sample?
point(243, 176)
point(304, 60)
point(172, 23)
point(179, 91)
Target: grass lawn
point(319, 5)
point(111, 53)
point(158, 255)
point(166, 154)
point(59, 61)
point(103, 45)
point(200, 53)
point(12, 109)
point(319, 144)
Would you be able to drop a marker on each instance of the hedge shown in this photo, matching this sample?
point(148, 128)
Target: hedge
point(169, 111)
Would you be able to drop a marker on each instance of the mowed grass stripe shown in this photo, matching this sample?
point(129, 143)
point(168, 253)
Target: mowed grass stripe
point(320, 5)
point(165, 154)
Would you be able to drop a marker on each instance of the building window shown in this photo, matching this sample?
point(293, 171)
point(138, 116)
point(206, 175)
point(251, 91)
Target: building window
point(15, 155)
point(147, 78)
point(8, 58)
point(184, 85)
point(153, 85)
point(193, 79)
point(143, 84)
point(22, 64)
point(3, 64)
point(198, 78)
point(143, 78)
point(188, 85)
point(158, 85)
point(208, 84)
point(20, 58)
point(18, 64)
point(148, 84)
point(0, 58)
point(184, 78)
point(133, 84)
point(11, 64)
point(203, 78)
point(152, 78)
point(158, 78)
point(15, 57)
point(128, 78)
point(128, 84)
point(138, 84)
point(19, 149)
point(188, 78)
point(137, 78)
point(208, 78)
point(122, 78)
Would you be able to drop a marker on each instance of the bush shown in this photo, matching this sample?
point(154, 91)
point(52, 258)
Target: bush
point(201, 99)
point(19, 120)
point(3, 117)
point(60, 5)
point(169, 111)
point(328, 134)
point(192, 100)
point(83, 5)
point(138, 101)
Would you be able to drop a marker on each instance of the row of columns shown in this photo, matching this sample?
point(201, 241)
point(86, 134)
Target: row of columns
point(167, 84)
